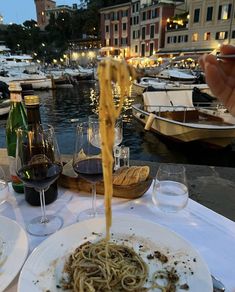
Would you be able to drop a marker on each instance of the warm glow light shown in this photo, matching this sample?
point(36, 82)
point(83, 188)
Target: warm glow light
point(54, 61)
point(83, 54)
point(91, 55)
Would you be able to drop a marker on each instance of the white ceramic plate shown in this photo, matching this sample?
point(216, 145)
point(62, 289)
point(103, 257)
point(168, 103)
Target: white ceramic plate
point(13, 250)
point(42, 270)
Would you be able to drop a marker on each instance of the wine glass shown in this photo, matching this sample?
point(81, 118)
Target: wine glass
point(87, 162)
point(38, 165)
point(95, 134)
point(3, 186)
point(95, 137)
point(170, 190)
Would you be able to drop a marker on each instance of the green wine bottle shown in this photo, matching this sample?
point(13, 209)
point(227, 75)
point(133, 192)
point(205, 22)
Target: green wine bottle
point(16, 118)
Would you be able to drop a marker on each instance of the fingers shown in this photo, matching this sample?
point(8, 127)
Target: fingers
point(227, 49)
point(214, 78)
point(207, 58)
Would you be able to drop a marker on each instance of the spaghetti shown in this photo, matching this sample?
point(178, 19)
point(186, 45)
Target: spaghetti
point(89, 268)
point(118, 72)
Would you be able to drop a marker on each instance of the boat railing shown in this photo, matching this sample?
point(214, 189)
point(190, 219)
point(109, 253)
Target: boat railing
point(165, 110)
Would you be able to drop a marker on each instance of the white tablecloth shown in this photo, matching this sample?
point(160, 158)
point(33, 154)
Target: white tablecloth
point(210, 233)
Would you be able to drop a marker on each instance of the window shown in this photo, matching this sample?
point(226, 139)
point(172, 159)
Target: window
point(207, 36)
point(196, 15)
point(172, 39)
point(142, 50)
point(144, 15)
point(209, 13)
point(149, 14)
point(133, 34)
point(137, 7)
point(107, 28)
point(133, 8)
point(186, 38)
point(221, 35)
point(116, 42)
point(152, 31)
point(180, 39)
point(106, 16)
point(233, 34)
point(136, 49)
point(195, 37)
point(151, 49)
point(124, 41)
point(143, 33)
point(124, 26)
point(115, 27)
point(124, 13)
point(224, 11)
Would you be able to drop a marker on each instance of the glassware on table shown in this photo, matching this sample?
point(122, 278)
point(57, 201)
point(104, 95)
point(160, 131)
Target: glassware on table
point(170, 190)
point(3, 186)
point(95, 134)
point(87, 162)
point(38, 165)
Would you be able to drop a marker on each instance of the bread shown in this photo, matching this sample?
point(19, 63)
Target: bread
point(130, 175)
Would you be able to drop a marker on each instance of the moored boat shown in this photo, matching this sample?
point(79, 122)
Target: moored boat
point(178, 119)
point(153, 83)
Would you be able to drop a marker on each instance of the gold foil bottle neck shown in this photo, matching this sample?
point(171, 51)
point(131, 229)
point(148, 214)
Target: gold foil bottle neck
point(31, 99)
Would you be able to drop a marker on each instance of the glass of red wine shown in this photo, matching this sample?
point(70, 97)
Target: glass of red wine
point(87, 162)
point(38, 165)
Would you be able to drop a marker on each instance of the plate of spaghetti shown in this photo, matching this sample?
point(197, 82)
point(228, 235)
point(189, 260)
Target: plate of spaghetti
point(141, 256)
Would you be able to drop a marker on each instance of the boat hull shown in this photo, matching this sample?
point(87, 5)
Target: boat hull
point(184, 132)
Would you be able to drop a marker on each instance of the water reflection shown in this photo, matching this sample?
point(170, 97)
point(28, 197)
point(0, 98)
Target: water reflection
point(62, 106)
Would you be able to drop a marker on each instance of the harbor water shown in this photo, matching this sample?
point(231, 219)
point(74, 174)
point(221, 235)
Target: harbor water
point(64, 106)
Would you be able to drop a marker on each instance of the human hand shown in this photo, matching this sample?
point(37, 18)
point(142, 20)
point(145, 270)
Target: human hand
point(220, 76)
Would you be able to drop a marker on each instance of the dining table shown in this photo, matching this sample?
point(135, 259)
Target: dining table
point(211, 234)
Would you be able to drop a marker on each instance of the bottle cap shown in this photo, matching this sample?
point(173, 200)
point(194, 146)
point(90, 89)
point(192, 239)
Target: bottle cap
point(15, 86)
point(31, 100)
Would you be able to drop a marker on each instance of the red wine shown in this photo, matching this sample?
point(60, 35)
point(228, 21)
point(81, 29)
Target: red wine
point(40, 175)
point(89, 169)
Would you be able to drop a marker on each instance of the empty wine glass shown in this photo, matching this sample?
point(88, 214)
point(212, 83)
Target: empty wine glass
point(38, 165)
point(87, 162)
point(95, 136)
point(3, 186)
point(170, 190)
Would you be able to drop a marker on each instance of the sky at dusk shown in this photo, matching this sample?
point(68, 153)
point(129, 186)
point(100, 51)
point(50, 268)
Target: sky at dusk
point(17, 11)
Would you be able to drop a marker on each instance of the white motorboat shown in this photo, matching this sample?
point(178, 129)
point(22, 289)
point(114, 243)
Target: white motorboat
point(4, 107)
point(174, 74)
point(173, 115)
point(138, 87)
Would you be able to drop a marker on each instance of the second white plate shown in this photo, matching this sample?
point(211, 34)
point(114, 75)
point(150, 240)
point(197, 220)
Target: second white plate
point(13, 250)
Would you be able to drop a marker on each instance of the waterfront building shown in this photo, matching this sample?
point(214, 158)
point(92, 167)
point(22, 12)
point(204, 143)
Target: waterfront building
point(202, 27)
point(45, 8)
point(136, 28)
point(41, 7)
point(115, 29)
point(153, 20)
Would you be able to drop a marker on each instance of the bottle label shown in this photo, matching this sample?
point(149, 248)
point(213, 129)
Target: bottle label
point(12, 169)
point(15, 97)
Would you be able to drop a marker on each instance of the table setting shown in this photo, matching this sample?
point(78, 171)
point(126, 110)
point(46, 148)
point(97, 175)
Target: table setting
point(210, 234)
